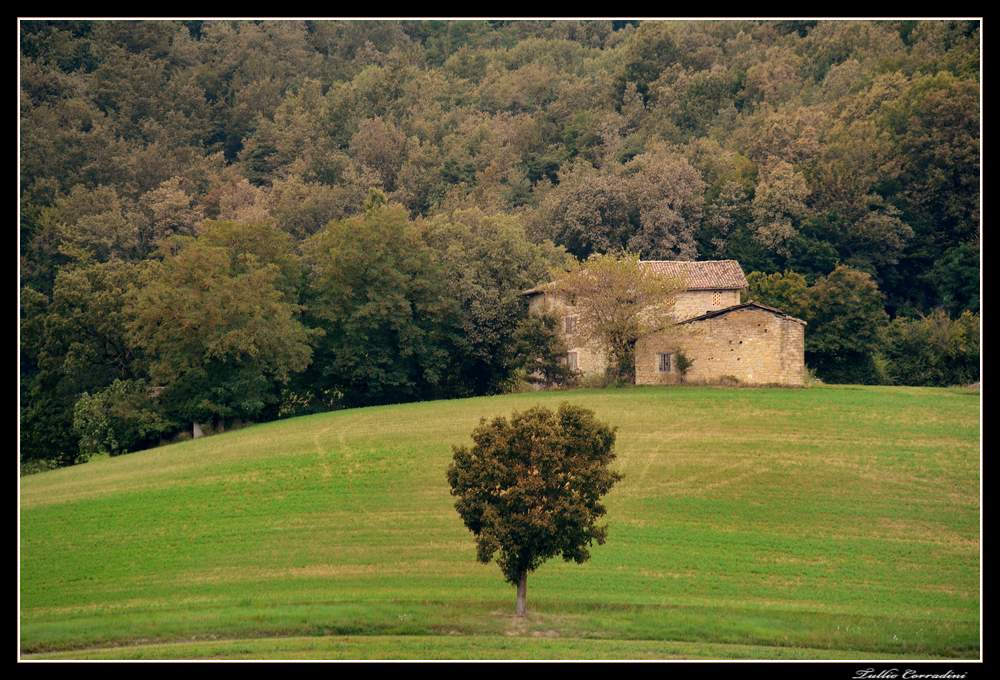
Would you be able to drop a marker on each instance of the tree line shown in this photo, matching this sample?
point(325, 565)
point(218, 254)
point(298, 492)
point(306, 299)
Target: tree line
point(237, 324)
point(225, 220)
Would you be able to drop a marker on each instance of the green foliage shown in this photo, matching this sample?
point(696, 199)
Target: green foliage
point(220, 334)
point(530, 488)
point(844, 329)
point(648, 51)
point(382, 300)
point(789, 292)
point(256, 244)
point(118, 419)
point(489, 263)
point(955, 276)
point(652, 205)
point(788, 146)
point(74, 342)
point(932, 350)
point(683, 363)
point(540, 351)
point(36, 465)
point(849, 337)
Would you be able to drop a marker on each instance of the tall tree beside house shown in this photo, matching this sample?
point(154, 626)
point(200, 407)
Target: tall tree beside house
point(530, 488)
point(540, 352)
point(382, 301)
point(617, 301)
point(220, 334)
point(848, 316)
point(489, 262)
point(788, 292)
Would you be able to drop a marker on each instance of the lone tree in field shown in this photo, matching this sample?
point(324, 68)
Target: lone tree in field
point(530, 488)
point(617, 301)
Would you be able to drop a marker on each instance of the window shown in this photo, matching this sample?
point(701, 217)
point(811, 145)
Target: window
point(665, 362)
point(572, 360)
point(717, 298)
point(570, 324)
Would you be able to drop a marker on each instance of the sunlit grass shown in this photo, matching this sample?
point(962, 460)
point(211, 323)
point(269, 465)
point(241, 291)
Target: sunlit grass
point(752, 523)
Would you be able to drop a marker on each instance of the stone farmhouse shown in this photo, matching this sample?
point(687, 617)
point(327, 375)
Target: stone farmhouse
point(730, 342)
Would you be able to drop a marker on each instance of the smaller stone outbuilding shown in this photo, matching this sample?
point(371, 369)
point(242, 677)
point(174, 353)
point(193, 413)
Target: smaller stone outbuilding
point(747, 344)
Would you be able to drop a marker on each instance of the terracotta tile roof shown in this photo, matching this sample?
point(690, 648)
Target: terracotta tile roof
point(757, 305)
point(704, 275)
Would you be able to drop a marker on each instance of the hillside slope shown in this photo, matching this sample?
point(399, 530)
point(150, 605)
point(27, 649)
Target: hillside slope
point(821, 523)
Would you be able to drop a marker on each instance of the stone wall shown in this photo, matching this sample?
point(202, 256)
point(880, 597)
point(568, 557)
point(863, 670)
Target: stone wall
point(590, 359)
point(693, 303)
point(754, 346)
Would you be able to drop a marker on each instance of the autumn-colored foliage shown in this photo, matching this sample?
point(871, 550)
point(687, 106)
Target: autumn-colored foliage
point(530, 488)
point(797, 146)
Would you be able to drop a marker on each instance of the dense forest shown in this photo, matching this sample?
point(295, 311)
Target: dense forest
point(224, 221)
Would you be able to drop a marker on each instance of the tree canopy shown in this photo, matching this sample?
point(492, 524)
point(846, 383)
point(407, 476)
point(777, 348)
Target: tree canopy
point(530, 488)
point(220, 335)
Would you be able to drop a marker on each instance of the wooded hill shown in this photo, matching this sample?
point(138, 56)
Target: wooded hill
point(264, 218)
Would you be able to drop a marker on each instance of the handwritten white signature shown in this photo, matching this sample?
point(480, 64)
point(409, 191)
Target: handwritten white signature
point(908, 674)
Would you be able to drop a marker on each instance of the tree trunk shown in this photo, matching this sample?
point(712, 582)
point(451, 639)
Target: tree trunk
point(522, 594)
point(196, 431)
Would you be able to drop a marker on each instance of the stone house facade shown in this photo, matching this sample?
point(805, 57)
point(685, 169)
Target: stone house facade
point(722, 339)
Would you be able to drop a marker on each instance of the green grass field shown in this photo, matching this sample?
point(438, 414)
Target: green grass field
point(825, 523)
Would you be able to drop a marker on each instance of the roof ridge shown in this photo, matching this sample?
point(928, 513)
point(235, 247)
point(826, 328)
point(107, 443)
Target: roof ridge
point(743, 305)
point(698, 261)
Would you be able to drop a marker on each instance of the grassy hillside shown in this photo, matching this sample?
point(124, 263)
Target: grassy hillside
point(833, 522)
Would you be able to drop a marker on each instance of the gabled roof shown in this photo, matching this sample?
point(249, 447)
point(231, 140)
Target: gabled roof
point(703, 275)
point(726, 310)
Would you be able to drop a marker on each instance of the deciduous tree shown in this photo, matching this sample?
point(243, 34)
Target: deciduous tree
point(489, 262)
point(844, 329)
point(220, 334)
point(617, 302)
point(382, 300)
point(530, 488)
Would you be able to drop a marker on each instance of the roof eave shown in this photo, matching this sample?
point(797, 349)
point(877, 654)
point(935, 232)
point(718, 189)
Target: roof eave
point(744, 305)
